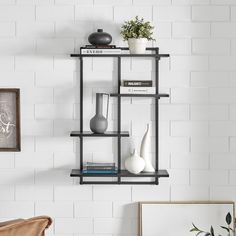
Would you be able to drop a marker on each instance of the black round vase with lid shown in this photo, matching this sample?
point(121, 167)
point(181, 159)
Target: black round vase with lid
point(100, 38)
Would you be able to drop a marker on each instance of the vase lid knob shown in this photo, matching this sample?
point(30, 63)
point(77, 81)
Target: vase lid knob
point(99, 30)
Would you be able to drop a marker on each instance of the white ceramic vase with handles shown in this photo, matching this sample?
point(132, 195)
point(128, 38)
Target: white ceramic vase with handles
point(137, 46)
point(134, 164)
point(145, 151)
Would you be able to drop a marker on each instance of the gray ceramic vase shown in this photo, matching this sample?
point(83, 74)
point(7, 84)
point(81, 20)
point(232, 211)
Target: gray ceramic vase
point(99, 123)
point(100, 38)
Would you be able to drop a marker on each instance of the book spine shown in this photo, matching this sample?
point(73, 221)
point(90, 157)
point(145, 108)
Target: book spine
point(138, 90)
point(99, 168)
point(100, 171)
point(137, 83)
point(100, 164)
point(100, 51)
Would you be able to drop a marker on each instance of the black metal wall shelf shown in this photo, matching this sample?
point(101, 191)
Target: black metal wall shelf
point(81, 134)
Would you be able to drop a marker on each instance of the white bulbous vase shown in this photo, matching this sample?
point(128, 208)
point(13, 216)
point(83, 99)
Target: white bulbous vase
point(137, 46)
point(134, 164)
point(145, 151)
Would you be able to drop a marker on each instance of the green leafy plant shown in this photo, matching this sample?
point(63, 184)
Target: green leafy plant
point(137, 28)
point(211, 232)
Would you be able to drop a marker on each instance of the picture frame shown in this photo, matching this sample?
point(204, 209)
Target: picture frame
point(177, 217)
point(10, 137)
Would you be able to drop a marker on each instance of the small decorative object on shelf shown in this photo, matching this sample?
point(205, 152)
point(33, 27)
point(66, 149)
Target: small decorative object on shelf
point(137, 32)
point(99, 168)
point(100, 50)
point(134, 164)
point(100, 171)
point(100, 38)
point(145, 151)
point(137, 83)
point(137, 87)
point(137, 90)
point(99, 165)
point(110, 46)
point(99, 123)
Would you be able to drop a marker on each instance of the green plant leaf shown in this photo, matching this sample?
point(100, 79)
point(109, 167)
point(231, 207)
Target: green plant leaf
point(228, 218)
point(212, 231)
point(199, 233)
point(223, 227)
point(195, 226)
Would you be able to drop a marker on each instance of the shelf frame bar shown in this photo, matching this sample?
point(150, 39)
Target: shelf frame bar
point(81, 116)
point(119, 116)
point(154, 49)
point(121, 182)
point(122, 173)
point(160, 95)
point(120, 55)
point(157, 115)
point(107, 135)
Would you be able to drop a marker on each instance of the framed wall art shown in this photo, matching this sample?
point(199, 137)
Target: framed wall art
point(186, 218)
point(10, 139)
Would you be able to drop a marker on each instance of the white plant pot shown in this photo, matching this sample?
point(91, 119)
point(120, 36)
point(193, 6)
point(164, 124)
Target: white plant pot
point(134, 164)
point(137, 46)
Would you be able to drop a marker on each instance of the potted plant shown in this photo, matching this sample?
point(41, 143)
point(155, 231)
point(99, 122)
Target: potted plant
point(137, 32)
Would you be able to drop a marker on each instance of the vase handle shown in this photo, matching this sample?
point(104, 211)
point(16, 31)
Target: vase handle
point(108, 96)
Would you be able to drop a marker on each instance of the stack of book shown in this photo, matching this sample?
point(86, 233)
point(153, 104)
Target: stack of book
point(106, 49)
point(99, 168)
point(137, 87)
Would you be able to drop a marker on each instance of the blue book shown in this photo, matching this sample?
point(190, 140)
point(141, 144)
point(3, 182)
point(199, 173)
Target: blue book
point(100, 171)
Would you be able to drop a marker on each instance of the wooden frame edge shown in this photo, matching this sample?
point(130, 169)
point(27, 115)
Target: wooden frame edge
point(18, 120)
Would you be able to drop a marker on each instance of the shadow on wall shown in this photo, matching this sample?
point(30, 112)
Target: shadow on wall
point(129, 218)
point(48, 55)
point(52, 52)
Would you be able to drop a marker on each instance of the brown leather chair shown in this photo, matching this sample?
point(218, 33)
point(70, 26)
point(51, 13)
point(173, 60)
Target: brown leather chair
point(31, 227)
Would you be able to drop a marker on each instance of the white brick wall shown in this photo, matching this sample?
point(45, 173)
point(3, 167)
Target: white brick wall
point(54, 13)
point(93, 209)
point(172, 13)
point(7, 29)
point(210, 13)
point(197, 133)
point(17, 13)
